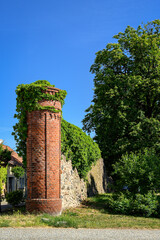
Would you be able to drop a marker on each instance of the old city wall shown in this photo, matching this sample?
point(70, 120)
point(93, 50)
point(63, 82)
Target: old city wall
point(74, 190)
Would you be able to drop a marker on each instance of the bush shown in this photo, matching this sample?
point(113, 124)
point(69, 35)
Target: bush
point(15, 197)
point(145, 205)
point(138, 171)
point(119, 204)
point(141, 205)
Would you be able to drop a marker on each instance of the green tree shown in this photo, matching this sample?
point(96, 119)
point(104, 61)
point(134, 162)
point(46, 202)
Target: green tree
point(5, 156)
point(125, 110)
point(18, 171)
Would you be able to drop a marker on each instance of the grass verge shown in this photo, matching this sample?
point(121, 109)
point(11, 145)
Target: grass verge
point(91, 214)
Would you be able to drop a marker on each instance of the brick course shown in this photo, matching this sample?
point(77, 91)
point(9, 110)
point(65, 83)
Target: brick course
point(43, 158)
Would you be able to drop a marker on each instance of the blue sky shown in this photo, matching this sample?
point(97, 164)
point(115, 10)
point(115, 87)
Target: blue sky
point(57, 41)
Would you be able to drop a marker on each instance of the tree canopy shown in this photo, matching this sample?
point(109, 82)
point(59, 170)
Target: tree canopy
point(125, 108)
point(18, 171)
point(5, 156)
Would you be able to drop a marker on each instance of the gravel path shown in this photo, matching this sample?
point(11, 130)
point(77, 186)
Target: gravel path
point(77, 234)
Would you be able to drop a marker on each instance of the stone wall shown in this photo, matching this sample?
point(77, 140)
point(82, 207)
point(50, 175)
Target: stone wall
point(97, 179)
point(74, 189)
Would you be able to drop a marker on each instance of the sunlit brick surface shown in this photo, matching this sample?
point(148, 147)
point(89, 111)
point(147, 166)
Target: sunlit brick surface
point(43, 159)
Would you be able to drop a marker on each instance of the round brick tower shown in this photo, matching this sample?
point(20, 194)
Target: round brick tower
point(43, 158)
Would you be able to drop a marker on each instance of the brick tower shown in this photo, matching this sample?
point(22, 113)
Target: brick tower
point(43, 158)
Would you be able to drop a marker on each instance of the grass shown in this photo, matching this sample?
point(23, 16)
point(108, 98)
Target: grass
point(91, 214)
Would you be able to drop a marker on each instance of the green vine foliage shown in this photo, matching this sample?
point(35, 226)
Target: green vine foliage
point(28, 96)
point(76, 145)
point(79, 147)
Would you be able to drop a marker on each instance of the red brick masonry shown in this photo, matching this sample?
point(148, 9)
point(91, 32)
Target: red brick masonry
point(43, 159)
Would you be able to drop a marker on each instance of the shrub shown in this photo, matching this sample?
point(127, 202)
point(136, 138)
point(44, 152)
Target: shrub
point(15, 197)
point(145, 205)
point(141, 205)
point(119, 204)
point(138, 171)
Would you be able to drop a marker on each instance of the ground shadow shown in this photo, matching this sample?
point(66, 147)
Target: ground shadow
point(98, 202)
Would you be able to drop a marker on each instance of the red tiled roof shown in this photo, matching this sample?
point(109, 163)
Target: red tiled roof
point(15, 159)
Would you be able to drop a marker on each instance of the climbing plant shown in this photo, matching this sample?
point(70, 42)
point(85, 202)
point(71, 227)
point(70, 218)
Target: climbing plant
point(28, 96)
point(79, 147)
point(76, 145)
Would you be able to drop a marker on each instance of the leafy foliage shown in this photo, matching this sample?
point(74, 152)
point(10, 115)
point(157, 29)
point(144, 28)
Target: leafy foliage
point(5, 156)
point(145, 205)
point(78, 147)
point(125, 110)
point(28, 96)
point(119, 204)
point(18, 171)
point(140, 172)
point(3, 175)
point(15, 197)
point(138, 176)
point(139, 204)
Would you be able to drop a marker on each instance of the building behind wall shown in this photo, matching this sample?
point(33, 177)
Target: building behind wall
point(13, 184)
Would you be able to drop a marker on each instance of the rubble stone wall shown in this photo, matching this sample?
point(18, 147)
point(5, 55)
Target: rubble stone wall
point(74, 190)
